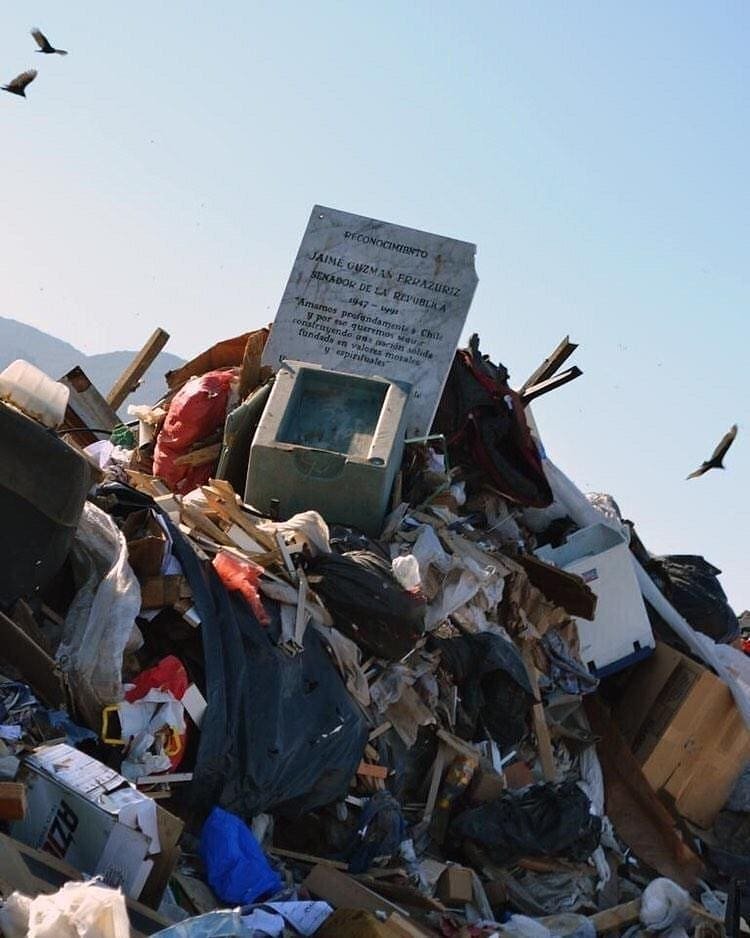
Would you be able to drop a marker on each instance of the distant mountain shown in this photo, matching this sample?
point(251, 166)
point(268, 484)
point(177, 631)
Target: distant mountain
point(55, 358)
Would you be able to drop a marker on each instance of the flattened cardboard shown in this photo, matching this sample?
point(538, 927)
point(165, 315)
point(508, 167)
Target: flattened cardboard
point(686, 733)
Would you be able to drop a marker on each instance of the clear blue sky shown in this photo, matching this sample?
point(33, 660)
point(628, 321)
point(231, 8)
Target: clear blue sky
point(597, 153)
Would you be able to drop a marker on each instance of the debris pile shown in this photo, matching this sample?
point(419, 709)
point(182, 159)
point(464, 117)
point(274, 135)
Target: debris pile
point(486, 710)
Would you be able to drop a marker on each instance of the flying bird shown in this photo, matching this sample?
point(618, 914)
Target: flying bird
point(19, 83)
point(715, 462)
point(44, 43)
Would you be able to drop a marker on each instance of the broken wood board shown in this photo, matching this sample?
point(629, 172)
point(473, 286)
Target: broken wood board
point(629, 913)
point(344, 892)
point(200, 457)
point(560, 587)
point(38, 668)
point(541, 730)
point(88, 416)
point(131, 377)
point(551, 384)
point(551, 364)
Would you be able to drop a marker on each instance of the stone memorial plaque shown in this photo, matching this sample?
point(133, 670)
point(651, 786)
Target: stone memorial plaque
point(375, 299)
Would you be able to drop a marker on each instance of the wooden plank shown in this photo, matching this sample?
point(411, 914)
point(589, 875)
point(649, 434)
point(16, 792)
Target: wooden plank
point(551, 364)
point(301, 617)
point(307, 858)
point(541, 730)
point(251, 372)
point(438, 767)
point(560, 587)
point(345, 892)
point(88, 412)
point(196, 519)
point(620, 915)
point(12, 801)
point(36, 666)
point(551, 384)
point(222, 499)
point(131, 377)
point(201, 456)
point(379, 730)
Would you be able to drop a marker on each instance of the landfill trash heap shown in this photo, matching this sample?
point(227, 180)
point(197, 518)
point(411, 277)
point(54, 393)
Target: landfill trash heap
point(484, 709)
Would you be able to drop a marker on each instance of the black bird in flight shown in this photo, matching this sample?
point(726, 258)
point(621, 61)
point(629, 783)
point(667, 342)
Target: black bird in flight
point(19, 83)
point(715, 462)
point(44, 43)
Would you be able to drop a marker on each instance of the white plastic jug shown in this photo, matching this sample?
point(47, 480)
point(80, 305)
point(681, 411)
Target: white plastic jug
point(30, 390)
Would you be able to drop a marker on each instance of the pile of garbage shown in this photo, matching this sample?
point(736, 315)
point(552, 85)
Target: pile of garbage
point(487, 710)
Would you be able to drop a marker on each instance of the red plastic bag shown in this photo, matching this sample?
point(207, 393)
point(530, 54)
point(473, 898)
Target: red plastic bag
point(197, 411)
point(168, 675)
point(242, 575)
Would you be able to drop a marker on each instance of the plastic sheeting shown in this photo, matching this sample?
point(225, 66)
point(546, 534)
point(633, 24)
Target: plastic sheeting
point(732, 666)
point(211, 925)
point(280, 733)
point(100, 624)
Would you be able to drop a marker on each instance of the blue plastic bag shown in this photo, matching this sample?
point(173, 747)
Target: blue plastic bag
point(237, 869)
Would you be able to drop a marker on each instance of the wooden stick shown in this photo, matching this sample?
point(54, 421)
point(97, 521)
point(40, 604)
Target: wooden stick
point(199, 457)
point(437, 776)
point(551, 384)
point(550, 364)
point(630, 912)
point(129, 379)
point(541, 730)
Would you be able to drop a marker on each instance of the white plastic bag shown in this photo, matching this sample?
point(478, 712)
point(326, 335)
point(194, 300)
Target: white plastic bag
point(100, 624)
point(406, 570)
point(78, 910)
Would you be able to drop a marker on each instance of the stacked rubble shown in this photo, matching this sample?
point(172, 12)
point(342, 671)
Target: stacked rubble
point(241, 724)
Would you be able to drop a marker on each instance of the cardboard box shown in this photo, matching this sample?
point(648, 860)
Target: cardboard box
point(685, 731)
point(455, 886)
point(84, 813)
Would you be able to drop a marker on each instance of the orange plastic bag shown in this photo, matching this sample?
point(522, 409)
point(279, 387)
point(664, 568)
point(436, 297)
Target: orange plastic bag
point(243, 576)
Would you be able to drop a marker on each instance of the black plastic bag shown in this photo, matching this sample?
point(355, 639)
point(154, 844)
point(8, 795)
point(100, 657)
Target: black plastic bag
point(494, 687)
point(545, 820)
point(368, 603)
point(691, 584)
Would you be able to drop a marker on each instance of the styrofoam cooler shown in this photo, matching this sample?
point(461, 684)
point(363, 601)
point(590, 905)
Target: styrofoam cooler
point(620, 633)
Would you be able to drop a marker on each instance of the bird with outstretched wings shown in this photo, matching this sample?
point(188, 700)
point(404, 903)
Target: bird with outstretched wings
point(716, 460)
point(44, 44)
point(20, 83)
